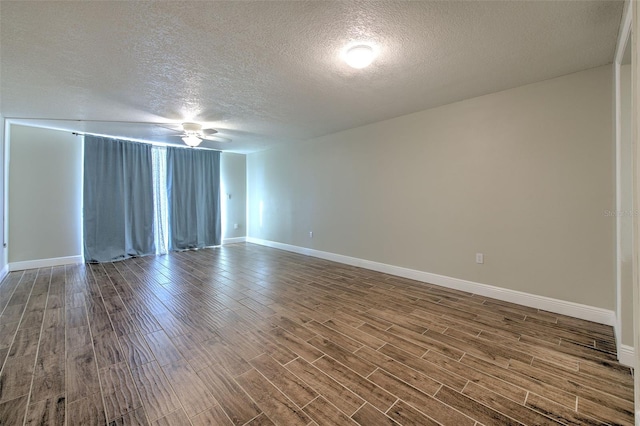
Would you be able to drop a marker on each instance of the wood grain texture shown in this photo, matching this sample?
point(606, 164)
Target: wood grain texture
point(86, 411)
point(12, 412)
point(245, 334)
point(156, 393)
point(176, 418)
point(274, 403)
point(119, 391)
point(325, 414)
point(47, 412)
point(234, 401)
point(191, 391)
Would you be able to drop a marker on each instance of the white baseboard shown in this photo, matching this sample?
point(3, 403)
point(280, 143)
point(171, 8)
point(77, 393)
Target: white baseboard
point(627, 356)
point(45, 263)
point(576, 310)
point(234, 240)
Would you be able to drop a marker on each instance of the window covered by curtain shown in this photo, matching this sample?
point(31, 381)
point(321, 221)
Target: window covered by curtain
point(160, 219)
point(193, 193)
point(118, 204)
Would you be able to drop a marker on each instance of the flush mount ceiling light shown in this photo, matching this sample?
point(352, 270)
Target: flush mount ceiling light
point(359, 56)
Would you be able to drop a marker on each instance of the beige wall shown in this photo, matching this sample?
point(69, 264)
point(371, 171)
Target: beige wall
point(45, 183)
point(233, 174)
point(626, 207)
point(523, 176)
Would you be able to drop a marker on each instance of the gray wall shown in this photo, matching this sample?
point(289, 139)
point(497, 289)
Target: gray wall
point(45, 199)
point(233, 174)
point(626, 207)
point(523, 176)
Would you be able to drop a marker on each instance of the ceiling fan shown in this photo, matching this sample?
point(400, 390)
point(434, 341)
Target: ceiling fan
point(193, 134)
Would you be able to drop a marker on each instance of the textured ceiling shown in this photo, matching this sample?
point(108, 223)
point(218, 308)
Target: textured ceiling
point(265, 73)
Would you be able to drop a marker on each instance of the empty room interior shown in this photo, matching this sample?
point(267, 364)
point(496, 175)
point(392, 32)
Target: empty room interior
point(319, 213)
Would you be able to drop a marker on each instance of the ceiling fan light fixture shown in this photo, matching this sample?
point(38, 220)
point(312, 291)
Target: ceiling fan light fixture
point(359, 56)
point(192, 140)
point(191, 128)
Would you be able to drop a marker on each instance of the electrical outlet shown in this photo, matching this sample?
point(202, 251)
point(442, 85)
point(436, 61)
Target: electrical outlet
point(479, 258)
point(310, 234)
point(235, 226)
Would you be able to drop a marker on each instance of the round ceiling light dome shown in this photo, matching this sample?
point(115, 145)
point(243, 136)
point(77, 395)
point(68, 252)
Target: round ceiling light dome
point(359, 56)
point(192, 140)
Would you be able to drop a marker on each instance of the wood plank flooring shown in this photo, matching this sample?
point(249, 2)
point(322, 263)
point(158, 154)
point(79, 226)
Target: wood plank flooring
point(246, 334)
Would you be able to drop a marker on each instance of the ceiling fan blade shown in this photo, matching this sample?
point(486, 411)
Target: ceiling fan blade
point(209, 132)
point(215, 138)
point(175, 127)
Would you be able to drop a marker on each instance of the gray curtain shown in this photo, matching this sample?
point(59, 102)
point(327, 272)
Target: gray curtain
point(193, 192)
point(118, 199)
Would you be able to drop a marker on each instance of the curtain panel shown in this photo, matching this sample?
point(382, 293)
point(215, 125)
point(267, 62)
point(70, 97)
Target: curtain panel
point(193, 193)
point(118, 213)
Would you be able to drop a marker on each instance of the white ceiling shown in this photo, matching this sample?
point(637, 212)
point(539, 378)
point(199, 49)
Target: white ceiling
point(267, 72)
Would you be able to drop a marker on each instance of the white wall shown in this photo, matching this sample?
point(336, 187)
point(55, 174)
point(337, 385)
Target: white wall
point(524, 176)
point(45, 199)
point(626, 207)
point(233, 176)
point(3, 230)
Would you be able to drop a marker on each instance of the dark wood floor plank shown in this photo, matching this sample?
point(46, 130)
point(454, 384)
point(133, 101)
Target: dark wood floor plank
point(132, 418)
point(86, 411)
point(369, 415)
point(367, 390)
point(292, 386)
point(119, 391)
point(340, 396)
point(428, 369)
point(295, 344)
point(279, 352)
point(325, 414)
point(135, 349)
point(156, 393)
point(176, 418)
point(501, 387)
point(401, 371)
point(162, 348)
point(504, 405)
point(261, 420)
point(49, 411)
point(354, 334)
point(474, 409)
point(82, 373)
point(274, 403)
point(12, 412)
point(406, 415)
point(15, 379)
point(25, 342)
point(559, 412)
point(107, 349)
point(212, 416)
point(189, 388)
point(49, 374)
point(216, 336)
point(226, 356)
point(548, 390)
point(233, 400)
point(193, 351)
point(343, 356)
point(572, 386)
point(605, 413)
